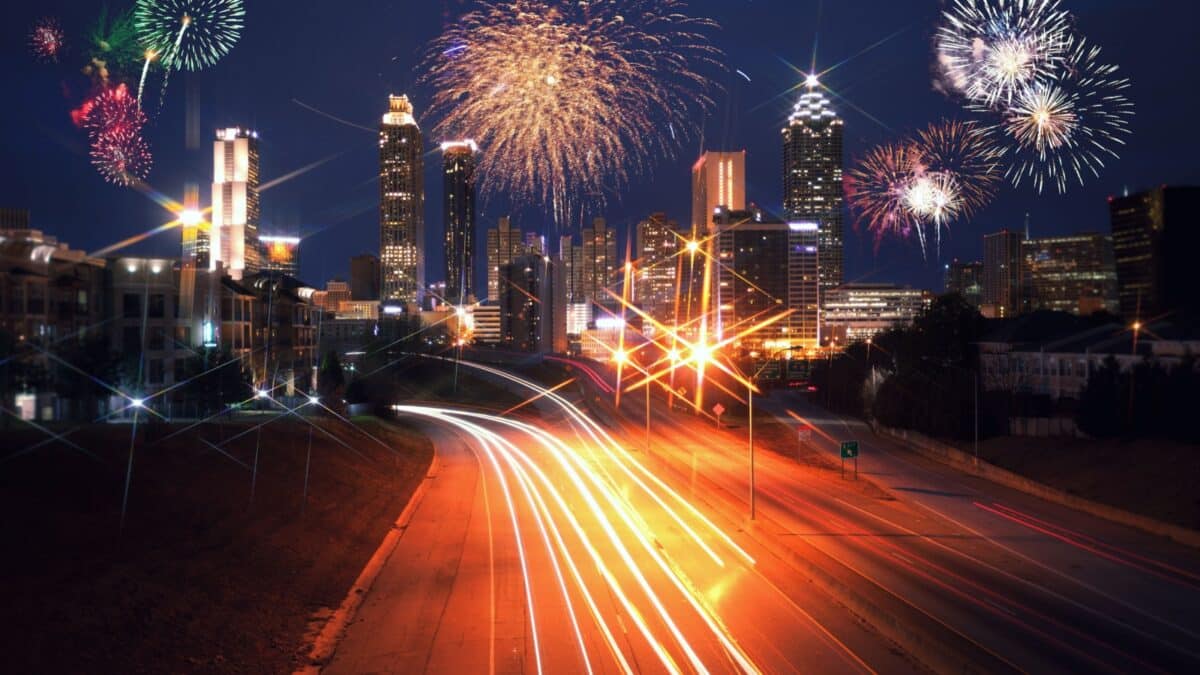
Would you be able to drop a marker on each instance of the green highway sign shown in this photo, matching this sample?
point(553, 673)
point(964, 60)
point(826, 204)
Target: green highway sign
point(849, 449)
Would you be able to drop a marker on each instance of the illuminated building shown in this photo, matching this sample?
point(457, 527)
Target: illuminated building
point(487, 324)
point(768, 266)
point(1155, 239)
point(657, 245)
point(965, 279)
point(49, 290)
point(233, 237)
point(336, 292)
point(281, 254)
point(812, 177)
point(1002, 275)
point(1073, 273)
point(504, 244)
point(364, 277)
point(600, 265)
point(401, 205)
point(718, 180)
point(533, 305)
point(458, 213)
point(855, 312)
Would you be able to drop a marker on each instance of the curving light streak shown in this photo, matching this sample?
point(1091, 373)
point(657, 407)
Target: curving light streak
point(617, 518)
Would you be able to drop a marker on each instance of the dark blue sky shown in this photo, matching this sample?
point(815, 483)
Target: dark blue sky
point(346, 57)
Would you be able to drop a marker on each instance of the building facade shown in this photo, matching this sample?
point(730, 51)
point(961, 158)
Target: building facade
point(364, 277)
point(281, 254)
point(857, 312)
point(1074, 273)
point(533, 311)
point(658, 261)
point(458, 217)
point(1155, 237)
point(812, 177)
point(965, 279)
point(718, 180)
point(767, 267)
point(401, 205)
point(234, 240)
point(600, 268)
point(504, 244)
point(1002, 275)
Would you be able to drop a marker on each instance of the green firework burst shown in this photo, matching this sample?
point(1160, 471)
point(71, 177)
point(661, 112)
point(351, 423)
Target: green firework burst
point(189, 34)
point(114, 40)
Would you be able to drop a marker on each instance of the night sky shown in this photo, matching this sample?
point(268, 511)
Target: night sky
point(344, 58)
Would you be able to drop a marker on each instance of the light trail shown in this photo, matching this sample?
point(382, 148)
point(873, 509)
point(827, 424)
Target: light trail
point(609, 506)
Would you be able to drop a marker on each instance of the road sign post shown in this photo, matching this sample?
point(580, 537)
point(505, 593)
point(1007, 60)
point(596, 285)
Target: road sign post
point(850, 451)
point(718, 410)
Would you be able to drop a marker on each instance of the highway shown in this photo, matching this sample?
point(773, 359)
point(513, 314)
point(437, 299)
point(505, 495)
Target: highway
point(1009, 580)
point(551, 547)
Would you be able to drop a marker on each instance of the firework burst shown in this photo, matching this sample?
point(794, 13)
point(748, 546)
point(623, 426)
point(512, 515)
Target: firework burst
point(46, 40)
point(114, 45)
point(990, 50)
point(113, 111)
point(1068, 127)
point(189, 34)
point(122, 158)
point(569, 99)
point(919, 186)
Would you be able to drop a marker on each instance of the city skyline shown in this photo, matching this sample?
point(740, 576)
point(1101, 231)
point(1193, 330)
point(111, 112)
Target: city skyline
point(337, 218)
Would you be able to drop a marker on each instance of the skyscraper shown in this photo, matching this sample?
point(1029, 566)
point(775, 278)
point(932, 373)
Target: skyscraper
point(533, 304)
point(364, 277)
point(503, 245)
point(600, 262)
point(812, 177)
point(233, 237)
point(657, 263)
point(1073, 273)
point(718, 179)
point(1002, 274)
point(768, 267)
point(401, 204)
point(965, 279)
point(458, 175)
point(1155, 239)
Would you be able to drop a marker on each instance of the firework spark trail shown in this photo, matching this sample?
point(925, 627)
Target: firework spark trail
point(569, 100)
point(1067, 127)
point(990, 50)
point(150, 54)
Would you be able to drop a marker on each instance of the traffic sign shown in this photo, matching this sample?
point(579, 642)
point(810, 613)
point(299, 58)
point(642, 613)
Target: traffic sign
point(718, 410)
point(849, 449)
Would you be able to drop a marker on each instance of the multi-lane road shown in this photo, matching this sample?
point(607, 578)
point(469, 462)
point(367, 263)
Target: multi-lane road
point(559, 545)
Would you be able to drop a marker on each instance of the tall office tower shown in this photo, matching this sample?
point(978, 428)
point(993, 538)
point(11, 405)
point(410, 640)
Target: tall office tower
point(364, 277)
point(718, 179)
point(401, 205)
point(1002, 274)
point(458, 212)
point(535, 244)
point(657, 263)
point(533, 304)
point(281, 254)
point(812, 177)
point(1155, 239)
point(768, 267)
point(504, 243)
point(233, 237)
point(600, 263)
point(965, 279)
point(1074, 273)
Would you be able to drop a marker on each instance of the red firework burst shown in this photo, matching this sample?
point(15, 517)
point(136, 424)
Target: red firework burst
point(122, 158)
point(113, 111)
point(46, 39)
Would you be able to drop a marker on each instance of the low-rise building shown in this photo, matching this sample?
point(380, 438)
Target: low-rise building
point(855, 312)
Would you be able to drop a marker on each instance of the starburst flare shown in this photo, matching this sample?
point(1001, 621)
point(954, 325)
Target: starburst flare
point(569, 100)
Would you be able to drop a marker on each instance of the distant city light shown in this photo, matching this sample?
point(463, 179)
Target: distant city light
point(190, 218)
point(811, 81)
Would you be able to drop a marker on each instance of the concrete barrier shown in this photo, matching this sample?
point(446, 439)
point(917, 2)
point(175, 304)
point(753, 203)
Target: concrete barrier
point(951, 456)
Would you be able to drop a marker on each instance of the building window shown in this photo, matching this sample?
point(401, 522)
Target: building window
point(158, 338)
point(131, 340)
point(183, 336)
point(180, 370)
point(155, 368)
point(37, 299)
point(132, 306)
point(157, 306)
